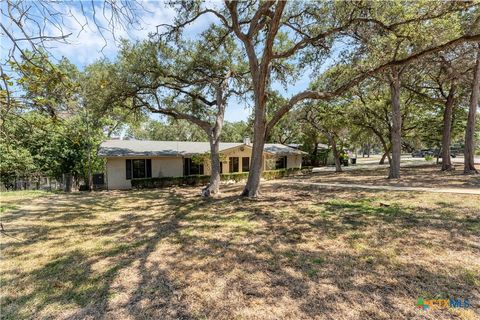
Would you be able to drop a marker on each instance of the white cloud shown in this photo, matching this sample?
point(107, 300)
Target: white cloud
point(88, 42)
point(91, 39)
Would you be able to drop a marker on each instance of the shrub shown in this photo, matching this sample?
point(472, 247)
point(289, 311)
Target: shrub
point(274, 174)
point(148, 183)
point(428, 157)
point(235, 176)
point(163, 182)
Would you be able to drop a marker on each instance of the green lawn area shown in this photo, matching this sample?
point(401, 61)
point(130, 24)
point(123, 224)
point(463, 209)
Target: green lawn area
point(295, 253)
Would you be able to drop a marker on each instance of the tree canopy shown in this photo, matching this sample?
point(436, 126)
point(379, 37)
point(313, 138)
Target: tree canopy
point(400, 76)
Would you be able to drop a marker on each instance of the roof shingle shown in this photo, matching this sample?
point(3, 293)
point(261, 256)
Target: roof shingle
point(129, 148)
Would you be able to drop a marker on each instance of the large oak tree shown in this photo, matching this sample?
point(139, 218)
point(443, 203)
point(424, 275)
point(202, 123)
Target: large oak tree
point(182, 79)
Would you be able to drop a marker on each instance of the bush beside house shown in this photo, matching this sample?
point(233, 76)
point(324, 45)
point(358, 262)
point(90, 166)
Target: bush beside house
point(196, 180)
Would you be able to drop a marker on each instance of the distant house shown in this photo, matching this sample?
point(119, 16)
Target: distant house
point(132, 159)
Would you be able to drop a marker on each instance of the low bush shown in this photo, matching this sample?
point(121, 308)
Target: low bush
point(163, 182)
point(275, 174)
point(234, 176)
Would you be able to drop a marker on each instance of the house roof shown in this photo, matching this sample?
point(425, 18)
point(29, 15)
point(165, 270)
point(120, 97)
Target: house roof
point(129, 148)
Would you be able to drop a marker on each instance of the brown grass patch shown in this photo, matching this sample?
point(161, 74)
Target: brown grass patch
point(293, 254)
point(428, 176)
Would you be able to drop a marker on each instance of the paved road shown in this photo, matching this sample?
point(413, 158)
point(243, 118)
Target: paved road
point(388, 188)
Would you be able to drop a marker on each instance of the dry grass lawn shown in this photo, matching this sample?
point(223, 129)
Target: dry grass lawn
point(293, 254)
point(428, 176)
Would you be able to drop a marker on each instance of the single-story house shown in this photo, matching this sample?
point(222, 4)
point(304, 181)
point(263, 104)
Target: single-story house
point(132, 159)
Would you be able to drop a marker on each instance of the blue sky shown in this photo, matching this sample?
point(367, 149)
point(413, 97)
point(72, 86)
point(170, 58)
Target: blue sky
point(85, 45)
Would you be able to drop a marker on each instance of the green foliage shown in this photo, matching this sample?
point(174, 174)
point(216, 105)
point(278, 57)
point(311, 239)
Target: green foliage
point(235, 131)
point(42, 146)
point(49, 88)
point(234, 176)
point(182, 130)
point(288, 129)
point(65, 113)
point(60, 122)
point(164, 182)
point(171, 130)
point(179, 78)
point(277, 174)
point(15, 161)
point(200, 158)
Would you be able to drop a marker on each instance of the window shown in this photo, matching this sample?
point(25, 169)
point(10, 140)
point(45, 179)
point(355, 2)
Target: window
point(245, 164)
point(138, 168)
point(191, 168)
point(233, 164)
point(281, 163)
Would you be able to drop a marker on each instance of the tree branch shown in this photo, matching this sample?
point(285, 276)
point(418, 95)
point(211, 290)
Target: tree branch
point(311, 94)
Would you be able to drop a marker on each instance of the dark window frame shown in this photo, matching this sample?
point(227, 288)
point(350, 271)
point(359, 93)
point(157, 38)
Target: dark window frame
point(132, 172)
point(192, 169)
point(245, 164)
point(233, 164)
point(281, 163)
point(139, 168)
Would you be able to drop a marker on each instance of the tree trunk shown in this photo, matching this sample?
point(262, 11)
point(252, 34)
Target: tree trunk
point(384, 156)
point(214, 139)
point(469, 152)
point(252, 187)
point(447, 130)
point(386, 153)
point(315, 155)
point(396, 132)
point(253, 182)
point(90, 173)
point(336, 156)
point(68, 182)
point(213, 186)
point(386, 148)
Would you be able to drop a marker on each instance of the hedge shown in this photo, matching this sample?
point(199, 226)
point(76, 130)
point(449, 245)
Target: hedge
point(234, 176)
point(148, 183)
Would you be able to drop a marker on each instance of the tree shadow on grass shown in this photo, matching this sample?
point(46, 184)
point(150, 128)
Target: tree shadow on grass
point(234, 260)
point(71, 278)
